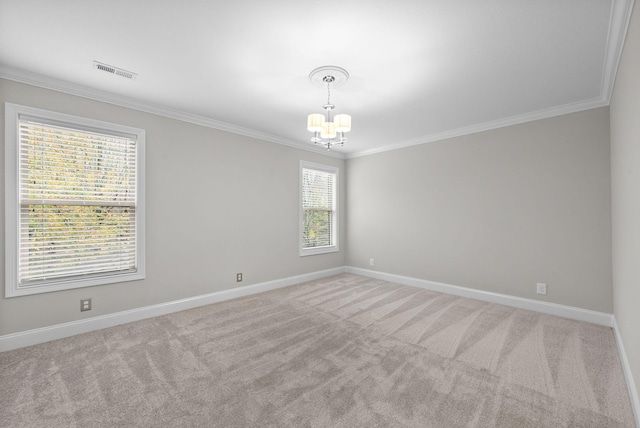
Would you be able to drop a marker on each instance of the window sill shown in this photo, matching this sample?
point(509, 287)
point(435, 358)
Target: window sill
point(318, 250)
point(72, 283)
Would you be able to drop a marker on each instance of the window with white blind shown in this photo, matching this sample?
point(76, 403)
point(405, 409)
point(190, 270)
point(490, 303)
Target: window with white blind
point(74, 202)
point(318, 209)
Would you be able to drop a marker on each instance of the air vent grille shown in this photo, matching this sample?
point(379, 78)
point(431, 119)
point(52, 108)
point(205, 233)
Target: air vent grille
point(114, 70)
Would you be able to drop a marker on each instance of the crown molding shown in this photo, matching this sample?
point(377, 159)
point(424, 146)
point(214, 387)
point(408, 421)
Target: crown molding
point(618, 25)
point(34, 79)
point(621, 11)
point(488, 126)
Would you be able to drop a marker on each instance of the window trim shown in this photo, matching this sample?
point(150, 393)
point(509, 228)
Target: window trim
point(335, 247)
point(13, 112)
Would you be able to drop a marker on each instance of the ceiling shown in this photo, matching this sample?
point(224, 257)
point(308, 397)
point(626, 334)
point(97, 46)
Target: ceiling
point(420, 70)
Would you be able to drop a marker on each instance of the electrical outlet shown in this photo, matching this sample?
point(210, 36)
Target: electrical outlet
point(541, 288)
point(371, 262)
point(239, 277)
point(85, 305)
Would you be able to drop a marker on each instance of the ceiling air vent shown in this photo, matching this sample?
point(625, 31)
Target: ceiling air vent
point(114, 70)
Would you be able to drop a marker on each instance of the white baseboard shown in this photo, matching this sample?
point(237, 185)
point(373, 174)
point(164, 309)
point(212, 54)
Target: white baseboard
point(600, 318)
point(59, 331)
point(570, 312)
point(628, 376)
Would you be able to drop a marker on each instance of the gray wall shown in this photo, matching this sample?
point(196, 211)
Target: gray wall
point(216, 203)
point(625, 186)
point(498, 211)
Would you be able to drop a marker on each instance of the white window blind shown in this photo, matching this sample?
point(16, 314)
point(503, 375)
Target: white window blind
point(77, 196)
point(318, 222)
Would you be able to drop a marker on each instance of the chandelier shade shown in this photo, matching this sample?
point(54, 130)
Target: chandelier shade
point(328, 131)
point(343, 122)
point(315, 122)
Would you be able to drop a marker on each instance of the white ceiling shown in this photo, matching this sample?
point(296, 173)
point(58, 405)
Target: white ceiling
point(420, 70)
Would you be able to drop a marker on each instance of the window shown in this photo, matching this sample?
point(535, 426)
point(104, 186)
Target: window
point(74, 202)
point(318, 209)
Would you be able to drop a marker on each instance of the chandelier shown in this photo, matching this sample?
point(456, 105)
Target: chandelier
point(328, 131)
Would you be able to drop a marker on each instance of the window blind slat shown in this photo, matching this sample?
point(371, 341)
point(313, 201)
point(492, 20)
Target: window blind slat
point(79, 202)
point(77, 191)
point(318, 208)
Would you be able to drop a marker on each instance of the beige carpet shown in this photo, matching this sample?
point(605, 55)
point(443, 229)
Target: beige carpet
point(345, 351)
